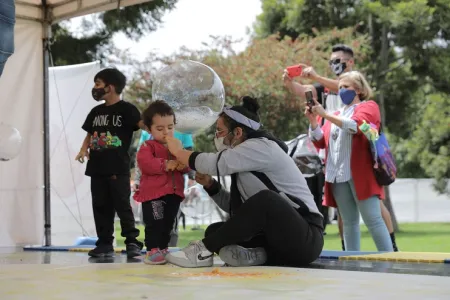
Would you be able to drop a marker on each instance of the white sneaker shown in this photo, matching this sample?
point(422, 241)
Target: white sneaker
point(195, 255)
point(238, 256)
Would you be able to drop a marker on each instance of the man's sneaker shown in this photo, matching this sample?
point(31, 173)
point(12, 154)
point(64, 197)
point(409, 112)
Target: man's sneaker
point(238, 256)
point(195, 255)
point(102, 251)
point(133, 250)
point(154, 257)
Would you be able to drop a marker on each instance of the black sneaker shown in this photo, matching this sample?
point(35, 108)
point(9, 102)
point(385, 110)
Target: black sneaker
point(102, 251)
point(133, 250)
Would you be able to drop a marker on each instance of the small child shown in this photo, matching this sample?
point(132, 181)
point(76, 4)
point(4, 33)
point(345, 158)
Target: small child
point(161, 188)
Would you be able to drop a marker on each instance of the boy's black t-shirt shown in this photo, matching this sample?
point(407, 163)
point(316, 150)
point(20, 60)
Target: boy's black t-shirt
point(112, 129)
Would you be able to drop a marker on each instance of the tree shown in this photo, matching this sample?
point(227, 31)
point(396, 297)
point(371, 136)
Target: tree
point(408, 54)
point(257, 71)
point(430, 142)
point(408, 40)
point(134, 21)
point(295, 17)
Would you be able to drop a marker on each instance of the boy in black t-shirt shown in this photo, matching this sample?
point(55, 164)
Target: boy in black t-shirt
point(110, 128)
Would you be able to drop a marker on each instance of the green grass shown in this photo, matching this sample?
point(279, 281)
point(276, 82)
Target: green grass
point(412, 237)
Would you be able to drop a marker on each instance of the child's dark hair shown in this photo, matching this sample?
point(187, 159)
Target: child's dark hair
point(249, 108)
point(112, 76)
point(157, 107)
point(344, 48)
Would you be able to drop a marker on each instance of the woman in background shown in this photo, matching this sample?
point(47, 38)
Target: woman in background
point(350, 182)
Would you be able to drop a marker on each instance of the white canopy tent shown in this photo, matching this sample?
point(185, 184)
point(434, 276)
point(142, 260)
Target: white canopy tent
point(25, 181)
point(52, 11)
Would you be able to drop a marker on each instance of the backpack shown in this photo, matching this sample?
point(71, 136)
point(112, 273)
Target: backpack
point(385, 169)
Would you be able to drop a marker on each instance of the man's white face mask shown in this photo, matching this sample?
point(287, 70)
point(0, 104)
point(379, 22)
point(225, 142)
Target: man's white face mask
point(220, 146)
point(219, 142)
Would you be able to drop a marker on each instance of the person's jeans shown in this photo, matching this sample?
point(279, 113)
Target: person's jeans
point(349, 207)
point(7, 21)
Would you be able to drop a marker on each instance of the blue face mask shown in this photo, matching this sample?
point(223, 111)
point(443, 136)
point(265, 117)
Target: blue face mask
point(347, 95)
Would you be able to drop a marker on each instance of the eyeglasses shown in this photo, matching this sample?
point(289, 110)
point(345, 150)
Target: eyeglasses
point(218, 132)
point(336, 61)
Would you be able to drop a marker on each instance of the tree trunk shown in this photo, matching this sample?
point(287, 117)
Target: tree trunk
point(390, 208)
point(381, 83)
point(384, 64)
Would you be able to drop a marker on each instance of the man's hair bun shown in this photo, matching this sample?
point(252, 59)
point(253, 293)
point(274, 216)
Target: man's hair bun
point(251, 104)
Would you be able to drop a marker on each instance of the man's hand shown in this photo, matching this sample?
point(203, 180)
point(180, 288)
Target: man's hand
point(81, 155)
point(286, 79)
point(173, 144)
point(171, 165)
point(203, 179)
point(308, 72)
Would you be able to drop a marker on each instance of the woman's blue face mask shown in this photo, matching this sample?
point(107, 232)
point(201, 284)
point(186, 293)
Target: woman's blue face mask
point(347, 95)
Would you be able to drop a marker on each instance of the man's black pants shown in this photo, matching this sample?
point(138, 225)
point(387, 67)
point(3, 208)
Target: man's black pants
point(267, 220)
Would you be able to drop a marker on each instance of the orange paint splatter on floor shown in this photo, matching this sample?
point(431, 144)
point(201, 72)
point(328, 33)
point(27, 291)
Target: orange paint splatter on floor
point(216, 272)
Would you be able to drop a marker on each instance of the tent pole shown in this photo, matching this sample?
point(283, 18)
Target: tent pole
point(47, 192)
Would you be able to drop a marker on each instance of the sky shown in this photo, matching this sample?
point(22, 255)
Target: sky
point(192, 22)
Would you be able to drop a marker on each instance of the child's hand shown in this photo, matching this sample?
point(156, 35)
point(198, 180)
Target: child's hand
point(171, 165)
point(81, 155)
point(180, 167)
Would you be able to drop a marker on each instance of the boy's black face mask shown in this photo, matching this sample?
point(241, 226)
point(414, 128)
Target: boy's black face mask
point(98, 93)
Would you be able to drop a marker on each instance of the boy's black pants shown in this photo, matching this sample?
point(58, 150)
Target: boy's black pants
point(111, 194)
point(159, 217)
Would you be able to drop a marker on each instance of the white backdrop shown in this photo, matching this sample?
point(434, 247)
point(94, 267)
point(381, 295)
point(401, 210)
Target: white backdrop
point(70, 102)
point(21, 190)
point(21, 106)
point(21, 179)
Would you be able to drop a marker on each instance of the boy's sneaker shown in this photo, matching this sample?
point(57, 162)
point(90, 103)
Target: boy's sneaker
point(133, 250)
point(195, 255)
point(154, 257)
point(238, 256)
point(102, 251)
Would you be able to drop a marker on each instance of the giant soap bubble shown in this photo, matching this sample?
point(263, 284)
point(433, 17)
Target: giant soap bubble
point(10, 142)
point(193, 90)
